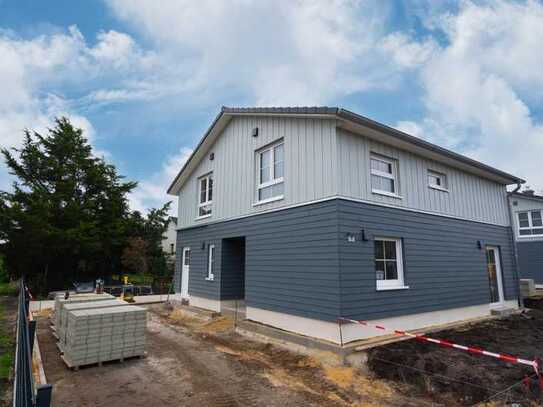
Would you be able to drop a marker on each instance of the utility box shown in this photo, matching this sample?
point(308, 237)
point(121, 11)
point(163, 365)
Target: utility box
point(527, 288)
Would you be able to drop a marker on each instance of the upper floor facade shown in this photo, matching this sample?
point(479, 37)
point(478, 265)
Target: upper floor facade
point(256, 160)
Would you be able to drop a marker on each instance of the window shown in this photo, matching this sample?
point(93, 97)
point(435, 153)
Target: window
point(205, 196)
point(530, 223)
point(383, 175)
point(388, 263)
point(172, 249)
point(187, 257)
point(437, 180)
point(271, 169)
point(211, 262)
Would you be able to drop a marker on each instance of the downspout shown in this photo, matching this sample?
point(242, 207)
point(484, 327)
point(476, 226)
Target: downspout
point(514, 243)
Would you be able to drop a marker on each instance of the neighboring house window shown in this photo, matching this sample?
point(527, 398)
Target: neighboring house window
point(205, 195)
point(210, 262)
point(271, 169)
point(437, 180)
point(384, 175)
point(530, 223)
point(388, 263)
point(172, 250)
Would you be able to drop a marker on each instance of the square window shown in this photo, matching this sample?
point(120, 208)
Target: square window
point(437, 180)
point(383, 175)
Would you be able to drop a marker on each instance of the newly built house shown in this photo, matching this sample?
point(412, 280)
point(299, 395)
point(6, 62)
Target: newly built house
point(305, 215)
point(527, 210)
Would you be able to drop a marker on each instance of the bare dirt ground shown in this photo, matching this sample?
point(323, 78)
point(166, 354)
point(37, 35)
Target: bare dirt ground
point(454, 378)
point(196, 363)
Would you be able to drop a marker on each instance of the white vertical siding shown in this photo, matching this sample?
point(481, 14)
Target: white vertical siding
point(469, 196)
point(310, 166)
point(321, 162)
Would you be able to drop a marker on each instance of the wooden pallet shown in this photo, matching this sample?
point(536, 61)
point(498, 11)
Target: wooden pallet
point(99, 364)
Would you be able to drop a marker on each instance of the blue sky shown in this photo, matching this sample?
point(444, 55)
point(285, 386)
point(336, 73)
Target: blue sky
point(145, 81)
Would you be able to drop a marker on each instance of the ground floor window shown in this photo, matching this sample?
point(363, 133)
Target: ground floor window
point(388, 263)
point(211, 262)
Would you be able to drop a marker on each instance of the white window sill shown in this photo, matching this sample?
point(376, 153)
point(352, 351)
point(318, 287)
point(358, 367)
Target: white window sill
point(210, 278)
point(265, 201)
point(438, 188)
point(385, 193)
point(203, 217)
point(400, 287)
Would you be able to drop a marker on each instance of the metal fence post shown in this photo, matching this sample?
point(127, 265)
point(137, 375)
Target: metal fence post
point(32, 335)
point(43, 395)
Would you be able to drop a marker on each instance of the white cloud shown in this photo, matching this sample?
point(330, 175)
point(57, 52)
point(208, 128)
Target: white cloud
point(479, 86)
point(266, 52)
point(406, 53)
point(151, 192)
point(34, 72)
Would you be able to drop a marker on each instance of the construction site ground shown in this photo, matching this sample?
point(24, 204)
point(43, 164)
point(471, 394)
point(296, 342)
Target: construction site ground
point(193, 361)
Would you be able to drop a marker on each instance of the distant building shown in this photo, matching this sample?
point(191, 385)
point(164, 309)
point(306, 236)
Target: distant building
point(169, 243)
point(527, 209)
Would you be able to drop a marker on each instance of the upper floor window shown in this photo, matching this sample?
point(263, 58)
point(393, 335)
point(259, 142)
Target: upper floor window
point(172, 248)
point(205, 196)
point(437, 180)
point(271, 169)
point(388, 263)
point(530, 223)
point(384, 175)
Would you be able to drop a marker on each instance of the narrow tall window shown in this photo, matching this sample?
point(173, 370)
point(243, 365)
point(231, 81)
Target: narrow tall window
point(530, 223)
point(383, 175)
point(211, 262)
point(172, 250)
point(388, 263)
point(437, 180)
point(205, 196)
point(271, 169)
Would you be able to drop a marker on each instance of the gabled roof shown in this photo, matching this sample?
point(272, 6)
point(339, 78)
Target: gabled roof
point(349, 121)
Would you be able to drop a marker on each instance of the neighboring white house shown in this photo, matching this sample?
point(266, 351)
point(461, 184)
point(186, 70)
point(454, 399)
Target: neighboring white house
point(170, 236)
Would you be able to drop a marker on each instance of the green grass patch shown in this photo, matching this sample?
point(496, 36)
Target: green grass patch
point(5, 341)
point(6, 362)
point(8, 289)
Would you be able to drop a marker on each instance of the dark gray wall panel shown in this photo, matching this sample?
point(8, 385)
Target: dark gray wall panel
point(293, 258)
point(291, 262)
point(443, 266)
point(530, 258)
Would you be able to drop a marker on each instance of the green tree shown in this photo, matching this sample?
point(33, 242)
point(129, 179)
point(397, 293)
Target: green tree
point(67, 217)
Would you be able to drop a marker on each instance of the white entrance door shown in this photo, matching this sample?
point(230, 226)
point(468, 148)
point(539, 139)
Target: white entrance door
point(494, 270)
point(185, 273)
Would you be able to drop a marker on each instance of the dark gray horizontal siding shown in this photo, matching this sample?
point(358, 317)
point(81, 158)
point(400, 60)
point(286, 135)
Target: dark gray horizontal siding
point(291, 262)
point(443, 266)
point(530, 258)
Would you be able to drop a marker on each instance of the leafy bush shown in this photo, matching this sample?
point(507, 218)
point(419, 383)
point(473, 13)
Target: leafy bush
point(8, 288)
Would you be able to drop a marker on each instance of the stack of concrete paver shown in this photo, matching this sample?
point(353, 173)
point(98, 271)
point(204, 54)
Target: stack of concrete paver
point(75, 298)
point(99, 335)
point(61, 329)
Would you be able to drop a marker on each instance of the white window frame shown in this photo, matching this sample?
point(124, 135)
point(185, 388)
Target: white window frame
point(393, 176)
point(530, 223)
point(442, 176)
point(210, 262)
point(399, 283)
point(208, 202)
point(273, 181)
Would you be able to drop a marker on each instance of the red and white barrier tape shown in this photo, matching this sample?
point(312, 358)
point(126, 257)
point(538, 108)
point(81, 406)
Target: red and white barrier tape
point(535, 364)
